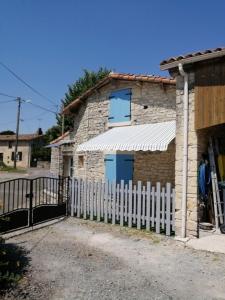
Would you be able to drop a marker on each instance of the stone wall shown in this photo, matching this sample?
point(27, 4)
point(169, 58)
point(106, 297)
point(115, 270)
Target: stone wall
point(56, 165)
point(155, 166)
point(193, 161)
point(150, 103)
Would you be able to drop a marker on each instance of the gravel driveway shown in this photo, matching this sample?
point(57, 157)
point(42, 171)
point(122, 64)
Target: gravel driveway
point(76, 259)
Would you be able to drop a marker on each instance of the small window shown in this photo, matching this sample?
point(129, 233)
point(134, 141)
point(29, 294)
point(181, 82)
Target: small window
point(1, 156)
point(19, 156)
point(10, 144)
point(80, 161)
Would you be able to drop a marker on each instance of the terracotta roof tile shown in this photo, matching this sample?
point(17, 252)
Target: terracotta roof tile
point(189, 55)
point(119, 76)
point(61, 137)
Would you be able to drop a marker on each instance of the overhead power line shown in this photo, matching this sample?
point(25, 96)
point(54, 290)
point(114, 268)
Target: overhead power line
point(43, 108)
point(26, 84)
point(6, 95)
point(6, 101)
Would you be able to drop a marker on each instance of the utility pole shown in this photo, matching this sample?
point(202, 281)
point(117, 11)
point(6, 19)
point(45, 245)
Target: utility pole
point(18, 99)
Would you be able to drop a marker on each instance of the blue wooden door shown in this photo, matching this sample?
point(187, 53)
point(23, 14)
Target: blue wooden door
point(120, 106)
point(125, 166)
point(119, 167)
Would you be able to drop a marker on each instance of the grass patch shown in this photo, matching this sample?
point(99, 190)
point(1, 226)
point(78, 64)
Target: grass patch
point(12, 170)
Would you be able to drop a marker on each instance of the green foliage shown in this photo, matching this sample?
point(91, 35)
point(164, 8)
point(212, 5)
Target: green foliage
point(80, 86)
point(7, 132)
point(52, 133)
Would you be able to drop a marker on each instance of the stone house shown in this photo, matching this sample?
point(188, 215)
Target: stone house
point(26, 142)
point(124, 128)
point(200, 105)
point(62, 155)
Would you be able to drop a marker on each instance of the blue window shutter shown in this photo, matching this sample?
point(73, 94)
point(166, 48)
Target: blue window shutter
point(120, 106)
point(110, 167)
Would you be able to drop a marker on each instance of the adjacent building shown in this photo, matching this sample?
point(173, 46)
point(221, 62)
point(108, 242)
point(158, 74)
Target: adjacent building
point(200, 116)
point(26, 143)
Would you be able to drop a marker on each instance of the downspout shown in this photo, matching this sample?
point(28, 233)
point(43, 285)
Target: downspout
point(185, 153)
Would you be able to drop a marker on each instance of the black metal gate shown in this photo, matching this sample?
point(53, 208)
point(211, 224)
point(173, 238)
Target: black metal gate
point(26, 202)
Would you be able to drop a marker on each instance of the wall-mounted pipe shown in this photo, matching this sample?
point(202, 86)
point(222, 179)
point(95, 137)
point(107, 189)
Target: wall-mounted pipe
point(185, 153)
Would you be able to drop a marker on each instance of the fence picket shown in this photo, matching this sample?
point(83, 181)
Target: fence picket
point(173, 210)
point(95, 199)
point(168, 197)
point(72, 196)
point(143, 206)
point(158, 198)
point(153, 208)
point(139, 206)
point(114, 203)
point(163, 208)
point(135, 205)
point(110, 200)
point(121, 202)
point(130, 204)
point(117, 201)
point(85, 199)
point(102, 199)
point(106, 202)
point(91, 201)
point(78, 198)
point(125, 202)
point(99, 184)
point(148, 206)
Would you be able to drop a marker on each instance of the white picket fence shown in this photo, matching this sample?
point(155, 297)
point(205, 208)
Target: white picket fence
point(141, 206)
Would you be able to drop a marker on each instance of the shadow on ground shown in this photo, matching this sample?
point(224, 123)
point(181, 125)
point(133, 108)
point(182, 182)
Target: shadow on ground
point(14, 263)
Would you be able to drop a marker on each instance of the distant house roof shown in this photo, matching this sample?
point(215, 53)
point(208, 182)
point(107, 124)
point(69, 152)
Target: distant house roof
point(117, 76)
point(22, 137)
point(192, 57)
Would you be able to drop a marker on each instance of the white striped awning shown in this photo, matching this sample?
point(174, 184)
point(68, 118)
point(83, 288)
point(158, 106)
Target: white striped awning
point(147, 137)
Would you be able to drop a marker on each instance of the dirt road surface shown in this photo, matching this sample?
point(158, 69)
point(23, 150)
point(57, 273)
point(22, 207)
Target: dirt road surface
point(76, 259)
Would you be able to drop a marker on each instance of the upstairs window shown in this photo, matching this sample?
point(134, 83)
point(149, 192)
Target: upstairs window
point(120, 106)
point(10, 144)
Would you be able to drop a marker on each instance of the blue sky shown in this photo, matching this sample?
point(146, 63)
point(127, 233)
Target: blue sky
point(49, 42)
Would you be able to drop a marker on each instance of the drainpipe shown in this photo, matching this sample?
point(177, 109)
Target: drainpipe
point(185, 153)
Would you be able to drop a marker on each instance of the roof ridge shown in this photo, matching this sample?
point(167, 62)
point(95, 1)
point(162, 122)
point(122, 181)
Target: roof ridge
point(191, 54)
point(120, 76)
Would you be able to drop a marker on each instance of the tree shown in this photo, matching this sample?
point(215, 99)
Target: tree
point(7, 132)
point(80, 86)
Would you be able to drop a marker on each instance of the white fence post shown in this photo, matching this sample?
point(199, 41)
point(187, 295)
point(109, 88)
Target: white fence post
point(72, 196)
point(139, 206)
point(148, 206)
point(158, 198)
point(130, 217)
point(121, 202)
point(168, 204)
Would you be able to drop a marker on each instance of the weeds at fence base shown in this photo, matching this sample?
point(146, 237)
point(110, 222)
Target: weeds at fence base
point(13, 265)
